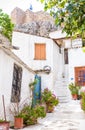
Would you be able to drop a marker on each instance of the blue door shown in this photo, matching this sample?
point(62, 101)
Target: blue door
point(37, 91)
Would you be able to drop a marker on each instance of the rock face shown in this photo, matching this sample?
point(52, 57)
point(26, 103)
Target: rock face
point(17, 16)
point(35, 23)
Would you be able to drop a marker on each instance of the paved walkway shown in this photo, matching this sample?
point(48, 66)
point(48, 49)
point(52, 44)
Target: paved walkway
point(66, 116)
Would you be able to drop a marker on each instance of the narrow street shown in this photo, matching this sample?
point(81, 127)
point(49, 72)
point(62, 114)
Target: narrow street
point(66, 116)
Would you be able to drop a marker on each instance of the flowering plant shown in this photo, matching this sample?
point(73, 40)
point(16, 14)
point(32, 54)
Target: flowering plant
point(31, 114)
point(49, 98)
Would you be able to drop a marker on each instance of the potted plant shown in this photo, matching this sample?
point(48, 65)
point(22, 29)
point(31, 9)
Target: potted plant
point(4, 125)
point(31, 114)
point(15, 110)
point(74, 89)
point(18, 121)
point(49, 99)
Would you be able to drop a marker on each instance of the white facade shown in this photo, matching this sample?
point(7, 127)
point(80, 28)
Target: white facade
point(6, 69)
point(76, 55)
point(76, 59)
point(26, 52)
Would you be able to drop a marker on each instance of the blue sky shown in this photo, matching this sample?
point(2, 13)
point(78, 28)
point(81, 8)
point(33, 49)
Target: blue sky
point(8, 5)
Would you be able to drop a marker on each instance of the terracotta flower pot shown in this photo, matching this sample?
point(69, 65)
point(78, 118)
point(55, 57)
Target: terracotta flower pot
point(4, 125)
point(74, 96)
point(49, 108)
point(18, 122)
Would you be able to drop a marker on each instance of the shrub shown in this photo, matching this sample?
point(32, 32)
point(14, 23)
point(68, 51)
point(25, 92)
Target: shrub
point(82, 102)
point(49, 98)
point(30, 115)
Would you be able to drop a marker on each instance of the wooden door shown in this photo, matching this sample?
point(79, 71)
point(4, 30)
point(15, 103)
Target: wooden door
point(80, 75)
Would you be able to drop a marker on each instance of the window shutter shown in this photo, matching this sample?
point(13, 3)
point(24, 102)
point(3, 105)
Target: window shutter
point(43, 52)
point(37, 51)
point(40, 51)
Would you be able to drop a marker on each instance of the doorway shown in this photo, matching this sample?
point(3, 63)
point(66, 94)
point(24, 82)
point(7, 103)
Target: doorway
point(80, 75)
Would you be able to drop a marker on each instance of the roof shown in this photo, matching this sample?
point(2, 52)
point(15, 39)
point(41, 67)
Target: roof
point(5, 42)
point(58, 34)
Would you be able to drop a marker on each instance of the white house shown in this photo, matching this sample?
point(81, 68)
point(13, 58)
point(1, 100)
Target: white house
point(14, 79)
point(75, 66)
point(39, 52)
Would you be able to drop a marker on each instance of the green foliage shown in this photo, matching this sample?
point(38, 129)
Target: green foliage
point(30, 115)
point(74, 88)
point(49, 98)
point(83, 100)
point(6, 26)
point(2, 120)
point(69, 14)
point(33, 83)
point(15, 109)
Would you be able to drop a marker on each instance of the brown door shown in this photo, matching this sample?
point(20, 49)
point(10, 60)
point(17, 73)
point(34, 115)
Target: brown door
point(80, 75)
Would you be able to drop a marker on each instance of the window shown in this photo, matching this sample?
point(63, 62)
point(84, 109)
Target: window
point(40, 52)
point(16, 84)
point(66, 56)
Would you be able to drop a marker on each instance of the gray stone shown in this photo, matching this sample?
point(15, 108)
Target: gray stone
point(41, 28)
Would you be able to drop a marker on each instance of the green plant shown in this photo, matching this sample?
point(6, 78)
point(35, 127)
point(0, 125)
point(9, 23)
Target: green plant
point(74, 88)
point(82, 101)
point(49, 98)
point(16, 108)
point(2, 120)
point(30, 115)
point(6, 25)
point(33, 83)
point(40, 110)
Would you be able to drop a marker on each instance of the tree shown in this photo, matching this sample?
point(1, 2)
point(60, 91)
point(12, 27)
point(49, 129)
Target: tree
point(6, 26)
point(69, 14)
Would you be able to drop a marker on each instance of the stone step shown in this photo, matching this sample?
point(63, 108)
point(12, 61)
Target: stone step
point(63, 99)
point(62, 91)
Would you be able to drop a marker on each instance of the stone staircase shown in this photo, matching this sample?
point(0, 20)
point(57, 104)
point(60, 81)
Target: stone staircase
point(62, 91)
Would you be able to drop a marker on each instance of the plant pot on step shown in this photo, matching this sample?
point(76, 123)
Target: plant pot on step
point(49, 108)
point(18, 122)
point(4, 125)
point(74, 96)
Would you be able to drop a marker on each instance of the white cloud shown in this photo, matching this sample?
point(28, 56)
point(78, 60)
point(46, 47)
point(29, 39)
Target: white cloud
point(8, 5)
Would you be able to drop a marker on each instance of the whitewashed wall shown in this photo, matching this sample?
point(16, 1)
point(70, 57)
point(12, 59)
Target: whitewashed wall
point(75, 54)
point(26, 52)
point(76, 59)
point(57, 62)
point(6, 76)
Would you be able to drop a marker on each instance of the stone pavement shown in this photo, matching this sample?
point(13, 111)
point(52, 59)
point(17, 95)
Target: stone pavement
point(66, 116)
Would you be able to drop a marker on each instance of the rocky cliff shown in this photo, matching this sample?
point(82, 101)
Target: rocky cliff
point(35, 23)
